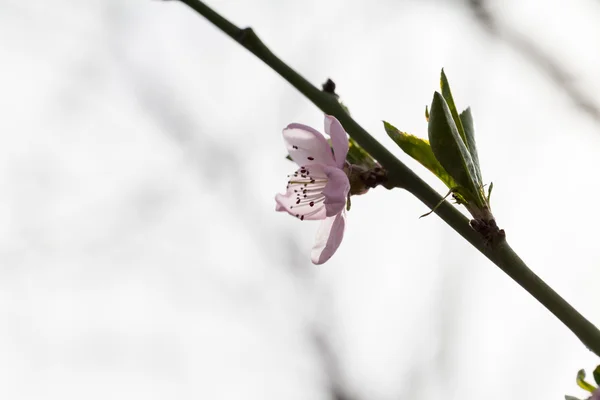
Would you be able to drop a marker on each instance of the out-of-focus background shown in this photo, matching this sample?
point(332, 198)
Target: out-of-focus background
point(140, 152)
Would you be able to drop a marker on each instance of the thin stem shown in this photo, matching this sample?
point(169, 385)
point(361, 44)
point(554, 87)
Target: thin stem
point(400, 175)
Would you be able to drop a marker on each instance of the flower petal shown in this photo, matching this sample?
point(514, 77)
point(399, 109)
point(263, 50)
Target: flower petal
point(336, 190)
point(329, 237)
point(339, 139)
point(304, 198)
point(307, 146)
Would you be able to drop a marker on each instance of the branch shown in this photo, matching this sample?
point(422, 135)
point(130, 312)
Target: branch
point(400, 175)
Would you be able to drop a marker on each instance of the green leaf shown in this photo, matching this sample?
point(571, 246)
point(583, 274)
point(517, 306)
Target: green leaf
point(447, 93)
point(427, 113)
point(582, 383)
point(420, 150)
point(451, 151)
point(358, 156)
point(490, 192)
point(467, 121)
point(464, 123)
point(596, 374)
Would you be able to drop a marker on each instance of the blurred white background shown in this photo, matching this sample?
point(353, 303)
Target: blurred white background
point(140, 152)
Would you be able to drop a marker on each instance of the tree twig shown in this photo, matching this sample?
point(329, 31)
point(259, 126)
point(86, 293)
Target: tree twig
point(400, 175)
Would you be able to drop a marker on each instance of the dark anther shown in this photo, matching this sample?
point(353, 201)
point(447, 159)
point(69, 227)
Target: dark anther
point(295, 147)
point(311, 158)
point(302, 218)
point(312, 203)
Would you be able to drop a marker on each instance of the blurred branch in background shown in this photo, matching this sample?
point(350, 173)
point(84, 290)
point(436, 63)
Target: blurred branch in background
point(331, 366)
point(536, 56)
point(205, 154)
point(161, 105)
point(214, 163)
point(450, 294)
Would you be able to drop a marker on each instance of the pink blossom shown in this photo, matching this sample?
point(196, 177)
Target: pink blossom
point(318, 190)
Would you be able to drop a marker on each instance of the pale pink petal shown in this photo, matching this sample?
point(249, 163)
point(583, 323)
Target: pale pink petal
point(339, 139)
point(336, 190)
point(304, 198)
point(307, 146)
point(329, 237)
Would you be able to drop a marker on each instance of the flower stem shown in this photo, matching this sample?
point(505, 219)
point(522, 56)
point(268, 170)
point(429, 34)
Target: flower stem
point(399, 175)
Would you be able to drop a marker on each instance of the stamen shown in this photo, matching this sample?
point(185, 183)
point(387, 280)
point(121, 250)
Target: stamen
point(312, 181)
point(310, 200)
point(312, 212)
point(307, 198)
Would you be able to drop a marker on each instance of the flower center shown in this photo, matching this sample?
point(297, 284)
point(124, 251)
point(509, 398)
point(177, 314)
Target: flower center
point(308, 191)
